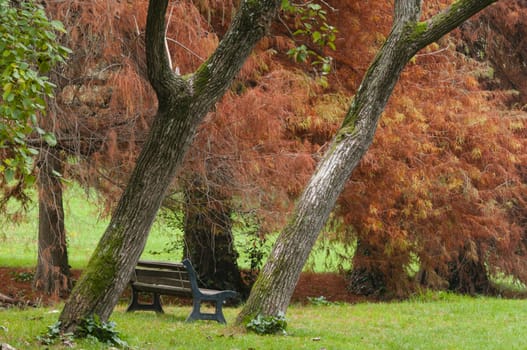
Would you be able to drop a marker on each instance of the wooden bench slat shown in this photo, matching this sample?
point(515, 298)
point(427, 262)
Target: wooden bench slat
point(210, 291)
point(176, 275)
point(162, 289)
point(162, 265)
point(167, 281)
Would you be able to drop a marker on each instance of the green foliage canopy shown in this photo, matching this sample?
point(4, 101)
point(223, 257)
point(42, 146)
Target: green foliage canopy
point(28, 50)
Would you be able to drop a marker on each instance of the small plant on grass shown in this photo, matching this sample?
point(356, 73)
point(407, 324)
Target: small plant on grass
point(53, 334)
point(104, 332)
point(90, 328)
point(268, 324)
point(22, 276)
point(321, 301)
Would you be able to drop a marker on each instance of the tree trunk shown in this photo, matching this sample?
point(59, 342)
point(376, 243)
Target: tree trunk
point(275, 285)
point(366, 278)
point(209, 242)
point(377, 273)
point(182, 104)
point(53, 272)
point(467, 274)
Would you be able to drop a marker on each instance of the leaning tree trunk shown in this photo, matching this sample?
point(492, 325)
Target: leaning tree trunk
point(209, 242)
point(53, 272)
point(273, 289)
point(183, 101)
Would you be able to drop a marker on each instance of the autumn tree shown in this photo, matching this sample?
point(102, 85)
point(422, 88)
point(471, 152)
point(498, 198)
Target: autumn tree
point(433, 201)
point(182, 103)
point(101, 115)
point(104, 111)
point(273, 289)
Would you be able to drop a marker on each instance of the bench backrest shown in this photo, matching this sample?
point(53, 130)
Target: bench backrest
point(157, 272)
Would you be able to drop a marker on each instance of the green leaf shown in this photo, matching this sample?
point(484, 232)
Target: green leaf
point(9, 175)
point(9, 97)
point(314, 7)
point(50, 139)
point(316, 36)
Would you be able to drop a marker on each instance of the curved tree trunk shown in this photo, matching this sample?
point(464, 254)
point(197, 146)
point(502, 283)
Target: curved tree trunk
point(273, 289)
point(209, 242)
point(183, 103)
point(53, 272)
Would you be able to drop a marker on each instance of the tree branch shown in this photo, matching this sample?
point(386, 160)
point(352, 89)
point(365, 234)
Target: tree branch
point(165, 83)
point(250, 24)
point(444, 22)
point(407, 10)
point(157, 60)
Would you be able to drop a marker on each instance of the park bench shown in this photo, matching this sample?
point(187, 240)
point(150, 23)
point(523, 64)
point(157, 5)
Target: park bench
point(177, 279)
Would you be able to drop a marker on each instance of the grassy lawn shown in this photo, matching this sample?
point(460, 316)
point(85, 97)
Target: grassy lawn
point(431, 321)
point(442, 321)
point(85, 226)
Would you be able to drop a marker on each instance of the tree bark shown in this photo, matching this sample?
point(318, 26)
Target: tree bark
point(182, 104)
point(366, 278)
point(272, 291)
point(209, 242)
point(53, 272)
point(467, 273)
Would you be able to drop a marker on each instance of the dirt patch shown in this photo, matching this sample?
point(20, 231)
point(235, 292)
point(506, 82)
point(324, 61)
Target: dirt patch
point(16, 284)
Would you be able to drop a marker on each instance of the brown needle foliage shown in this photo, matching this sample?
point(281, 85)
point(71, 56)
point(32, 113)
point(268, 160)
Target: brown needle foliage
point(443, 185)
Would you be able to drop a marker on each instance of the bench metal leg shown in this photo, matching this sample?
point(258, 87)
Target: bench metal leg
point(219, 312)
point(136, 305)
point(196, 313)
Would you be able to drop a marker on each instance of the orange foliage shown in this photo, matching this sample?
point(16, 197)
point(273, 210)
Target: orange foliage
point(445, 173)
point(446, 170)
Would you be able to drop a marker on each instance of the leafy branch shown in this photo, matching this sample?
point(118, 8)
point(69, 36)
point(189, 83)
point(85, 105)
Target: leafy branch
point(311, 25)
point(29, 50)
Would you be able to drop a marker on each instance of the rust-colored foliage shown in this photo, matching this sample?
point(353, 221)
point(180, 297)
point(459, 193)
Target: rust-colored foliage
point(104, 102)
point(499, 36)
point(267, 126)
point(444, 181)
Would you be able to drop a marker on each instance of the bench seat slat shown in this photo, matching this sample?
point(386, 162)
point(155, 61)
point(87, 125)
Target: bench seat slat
point(210, 291)
point(163, 281)
point(177, 275)
point(162, 265)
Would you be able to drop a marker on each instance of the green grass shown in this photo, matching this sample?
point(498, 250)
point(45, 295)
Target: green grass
point(84, 227)
point(438, 321)
point(429, 321)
